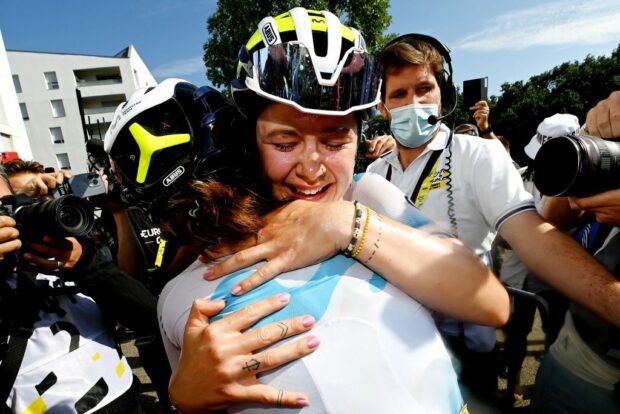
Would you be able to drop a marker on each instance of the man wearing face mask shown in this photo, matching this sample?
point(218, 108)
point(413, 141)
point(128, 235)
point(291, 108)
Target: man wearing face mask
point(472, 186)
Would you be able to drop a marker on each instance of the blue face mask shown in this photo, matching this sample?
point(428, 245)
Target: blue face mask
point(410, 125)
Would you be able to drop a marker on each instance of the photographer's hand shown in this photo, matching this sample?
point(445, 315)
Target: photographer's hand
point(41, 184)
point(9, 241)
point(51, 255)
point(604, 119)
point(605, 206)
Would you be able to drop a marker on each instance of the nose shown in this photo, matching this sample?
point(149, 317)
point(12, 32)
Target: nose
point(310, 166)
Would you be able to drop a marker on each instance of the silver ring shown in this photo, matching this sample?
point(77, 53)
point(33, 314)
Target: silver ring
point(59, 264)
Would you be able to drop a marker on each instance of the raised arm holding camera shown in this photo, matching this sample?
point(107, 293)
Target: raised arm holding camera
point(582, 370)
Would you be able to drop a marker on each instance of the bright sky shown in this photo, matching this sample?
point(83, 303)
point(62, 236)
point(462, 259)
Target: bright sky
point(506, 40)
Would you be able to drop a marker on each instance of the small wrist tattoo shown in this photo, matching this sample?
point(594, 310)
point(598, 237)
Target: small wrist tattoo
point(375, 245)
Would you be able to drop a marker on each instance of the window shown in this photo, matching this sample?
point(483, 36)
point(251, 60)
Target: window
point(58, 109)
point(63, 161)
point(17, 84)
point(22, 107)
point(56, 134)
point(51, 80)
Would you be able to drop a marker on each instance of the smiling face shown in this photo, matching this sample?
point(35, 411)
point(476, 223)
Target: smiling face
point(306, 156)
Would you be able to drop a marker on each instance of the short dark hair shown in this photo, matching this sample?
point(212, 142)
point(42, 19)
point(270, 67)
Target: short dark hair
point(21, 166)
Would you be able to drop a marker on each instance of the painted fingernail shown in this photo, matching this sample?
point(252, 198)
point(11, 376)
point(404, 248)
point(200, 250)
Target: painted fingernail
point(208, 273)
point(307, 321)
point(284, 297)
point(303, 403)
point(236, 290)
point(313, 342)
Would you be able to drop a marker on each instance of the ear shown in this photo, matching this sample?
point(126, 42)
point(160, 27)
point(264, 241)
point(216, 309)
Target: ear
point(384, 112)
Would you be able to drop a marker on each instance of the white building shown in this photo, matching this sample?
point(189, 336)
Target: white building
point(12, 130)
point(48, 86)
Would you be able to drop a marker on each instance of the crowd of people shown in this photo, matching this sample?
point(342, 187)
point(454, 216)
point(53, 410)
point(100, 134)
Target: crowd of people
point(259, 273)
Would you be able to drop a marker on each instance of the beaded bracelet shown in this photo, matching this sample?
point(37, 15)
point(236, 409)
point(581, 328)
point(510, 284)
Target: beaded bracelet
point(357, 229)
point(366, 225)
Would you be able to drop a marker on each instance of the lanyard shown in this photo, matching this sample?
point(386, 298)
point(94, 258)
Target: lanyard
point(423, 187)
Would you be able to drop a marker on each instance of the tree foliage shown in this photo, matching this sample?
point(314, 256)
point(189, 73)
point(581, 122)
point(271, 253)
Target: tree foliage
point(571, 87)
point(235, 21)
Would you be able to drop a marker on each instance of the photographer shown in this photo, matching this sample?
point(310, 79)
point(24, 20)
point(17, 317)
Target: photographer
point(65, 327)
point(581, 373)
point(115, 296)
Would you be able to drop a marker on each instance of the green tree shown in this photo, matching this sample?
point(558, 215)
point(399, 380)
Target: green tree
point(235, 21)
point(571, 87)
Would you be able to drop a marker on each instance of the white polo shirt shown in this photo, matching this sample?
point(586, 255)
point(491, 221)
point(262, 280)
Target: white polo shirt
point(486, 187)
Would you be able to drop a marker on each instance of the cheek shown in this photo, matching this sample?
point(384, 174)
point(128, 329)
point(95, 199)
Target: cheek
point(342, 164)
point(276, 164)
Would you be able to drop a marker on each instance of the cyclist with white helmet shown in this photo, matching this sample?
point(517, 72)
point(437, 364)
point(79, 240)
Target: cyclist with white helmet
point(306, 116)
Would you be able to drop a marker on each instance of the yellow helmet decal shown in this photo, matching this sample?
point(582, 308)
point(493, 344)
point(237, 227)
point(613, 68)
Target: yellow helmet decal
point(149, 144)
point(285, 23)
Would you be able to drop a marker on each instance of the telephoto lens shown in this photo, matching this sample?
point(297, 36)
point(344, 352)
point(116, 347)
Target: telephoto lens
point(577, 166)
point(66, 216)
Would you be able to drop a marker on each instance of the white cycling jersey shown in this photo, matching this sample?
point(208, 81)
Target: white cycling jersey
point(380, 350)
point(71, 363)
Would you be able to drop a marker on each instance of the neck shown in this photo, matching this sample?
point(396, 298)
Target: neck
point(407, 155)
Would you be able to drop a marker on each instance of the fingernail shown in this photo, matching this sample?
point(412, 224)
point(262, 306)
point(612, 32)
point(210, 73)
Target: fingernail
point(27, 256)
point(284, 297)
point(313, 342)
point(302, 403)
point(208, 273)
point(307, 321)
point(236, 290)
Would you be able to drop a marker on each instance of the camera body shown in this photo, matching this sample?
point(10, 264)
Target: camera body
point(577, 166)
point(67, 213)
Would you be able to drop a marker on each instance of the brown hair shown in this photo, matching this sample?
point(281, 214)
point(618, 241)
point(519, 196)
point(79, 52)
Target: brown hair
point(215, 214)
point(21, 166)
point(410, 51)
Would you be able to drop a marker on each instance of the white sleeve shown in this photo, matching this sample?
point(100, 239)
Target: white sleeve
point(497, 185)
point(172, 347)
point(385, 198)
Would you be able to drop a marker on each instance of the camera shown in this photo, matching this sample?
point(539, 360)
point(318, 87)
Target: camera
point(68, 213)
point(577, 166)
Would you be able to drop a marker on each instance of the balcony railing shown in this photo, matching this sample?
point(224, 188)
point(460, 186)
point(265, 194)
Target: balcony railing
point(82, 83)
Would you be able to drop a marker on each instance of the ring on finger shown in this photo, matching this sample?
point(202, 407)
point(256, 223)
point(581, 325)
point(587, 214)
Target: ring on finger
point(59, 264)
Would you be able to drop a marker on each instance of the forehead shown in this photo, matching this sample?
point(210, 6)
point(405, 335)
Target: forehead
point(408, 76)
point(285, 116)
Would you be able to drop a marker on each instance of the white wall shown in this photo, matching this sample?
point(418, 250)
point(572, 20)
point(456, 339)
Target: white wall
point(30, 66)
point(11, 122)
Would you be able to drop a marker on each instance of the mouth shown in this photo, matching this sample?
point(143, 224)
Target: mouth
point(309, 193)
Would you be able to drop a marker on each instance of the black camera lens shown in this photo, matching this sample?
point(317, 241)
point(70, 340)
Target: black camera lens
point(63, 217)
point(577, 166)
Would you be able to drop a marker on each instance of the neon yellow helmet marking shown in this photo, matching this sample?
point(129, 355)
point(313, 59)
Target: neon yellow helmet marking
point(149, 144)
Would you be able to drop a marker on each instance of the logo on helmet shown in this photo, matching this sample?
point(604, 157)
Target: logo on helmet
point(174, 175)
point(269, 34)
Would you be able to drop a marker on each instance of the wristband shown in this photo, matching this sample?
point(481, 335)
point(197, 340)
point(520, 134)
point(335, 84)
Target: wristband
point(357, 229)
point(366, 224)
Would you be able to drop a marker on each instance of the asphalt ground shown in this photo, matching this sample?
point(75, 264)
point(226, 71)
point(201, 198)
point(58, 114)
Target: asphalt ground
point(535, 349)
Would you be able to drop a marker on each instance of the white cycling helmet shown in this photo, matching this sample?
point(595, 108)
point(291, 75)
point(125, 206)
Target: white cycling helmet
point(309, 60)
point(160, 134)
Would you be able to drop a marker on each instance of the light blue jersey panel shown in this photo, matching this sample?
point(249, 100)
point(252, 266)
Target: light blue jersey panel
point(380, 351)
